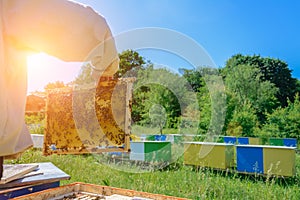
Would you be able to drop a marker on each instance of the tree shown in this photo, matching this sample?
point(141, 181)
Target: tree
point(244, 83)
point(160, 87)
point(243, 123)
point(55, 85)
point(209, 86)
point(130, 63)
point(284, 122)
point(158, 117)
point(273, 70)
point(194, 78)
point(85, 75)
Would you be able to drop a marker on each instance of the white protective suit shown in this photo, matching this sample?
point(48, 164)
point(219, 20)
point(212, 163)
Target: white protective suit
point(61, 28)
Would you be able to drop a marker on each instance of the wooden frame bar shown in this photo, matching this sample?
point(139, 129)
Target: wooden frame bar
point(93, 190)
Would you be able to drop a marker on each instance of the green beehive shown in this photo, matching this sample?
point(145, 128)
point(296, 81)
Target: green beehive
point(219, 139)
point(150, 137)
point(150, 151)
point(157, 151)
point(276, 141)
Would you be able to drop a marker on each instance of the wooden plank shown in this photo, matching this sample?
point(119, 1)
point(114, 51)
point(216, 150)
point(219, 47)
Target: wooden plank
point(88, 150)
point(24, 190)
point(127, 119)
point(94, 190)
point(48, 173)
point(13, 172)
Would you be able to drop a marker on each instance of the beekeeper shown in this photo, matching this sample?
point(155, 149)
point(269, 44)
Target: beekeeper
point(61, 28)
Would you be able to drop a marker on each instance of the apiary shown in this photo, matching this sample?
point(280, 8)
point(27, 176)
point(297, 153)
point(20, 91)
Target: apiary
point(89, 119)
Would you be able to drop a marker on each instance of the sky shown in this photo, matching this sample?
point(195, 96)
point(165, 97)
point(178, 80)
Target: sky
point(222, 28)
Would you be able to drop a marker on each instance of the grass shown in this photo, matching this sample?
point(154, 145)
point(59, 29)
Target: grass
point(176, 180)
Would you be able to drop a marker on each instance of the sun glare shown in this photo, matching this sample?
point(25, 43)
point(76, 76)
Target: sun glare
point(34, 60)
point(43, 69)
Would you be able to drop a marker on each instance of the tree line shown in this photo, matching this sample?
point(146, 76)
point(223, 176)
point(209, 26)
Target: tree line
point(256, 95)
point(250, 96)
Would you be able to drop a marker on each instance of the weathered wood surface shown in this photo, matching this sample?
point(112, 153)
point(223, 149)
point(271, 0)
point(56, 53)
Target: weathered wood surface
point(13, 172)
point(46, 173)
point(94, 190)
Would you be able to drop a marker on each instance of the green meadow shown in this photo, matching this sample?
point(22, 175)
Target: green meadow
point(175, 180)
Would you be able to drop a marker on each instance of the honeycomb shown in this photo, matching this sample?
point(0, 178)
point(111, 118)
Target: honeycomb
point(88, 119)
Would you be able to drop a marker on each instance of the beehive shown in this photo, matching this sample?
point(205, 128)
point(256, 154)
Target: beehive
point(209, 154)
point(230, 139)
point(290, 142)
point(279, 160)
point(150, 151)
point(243, 140)
point(276, 141)
point(250, 159)
point(160, 137)
point(88, 120)
point(268, 160)
point(249, 140)
point(255, 141)
point(150, 137)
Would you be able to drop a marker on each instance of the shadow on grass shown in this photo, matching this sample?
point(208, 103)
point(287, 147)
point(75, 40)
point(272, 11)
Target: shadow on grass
point(253, 177)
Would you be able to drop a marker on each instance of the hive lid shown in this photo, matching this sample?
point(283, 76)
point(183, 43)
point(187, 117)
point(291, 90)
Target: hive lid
point(13, 172)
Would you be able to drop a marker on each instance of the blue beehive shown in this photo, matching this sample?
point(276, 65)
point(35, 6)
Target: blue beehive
point(229, 139)
point(290, 142)
point(243, 140)
point(249, 159)
point(160, 137)
point(137, 151)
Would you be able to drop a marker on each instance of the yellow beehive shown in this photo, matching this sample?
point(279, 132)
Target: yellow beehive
point(88, 120)
point(254, 141)
point(209, 154)
point(279, 160)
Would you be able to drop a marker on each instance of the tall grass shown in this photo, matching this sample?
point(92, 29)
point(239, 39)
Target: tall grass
point(181, 181)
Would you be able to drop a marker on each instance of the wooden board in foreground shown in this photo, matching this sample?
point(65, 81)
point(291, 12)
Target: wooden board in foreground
point(91, 191)
point(46, 173)
point(13, 172)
